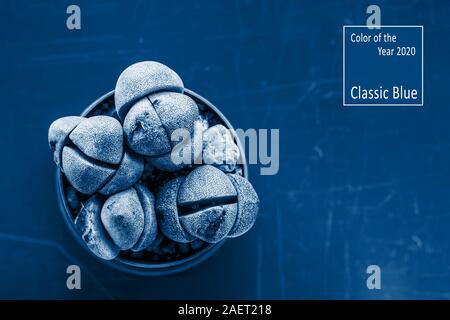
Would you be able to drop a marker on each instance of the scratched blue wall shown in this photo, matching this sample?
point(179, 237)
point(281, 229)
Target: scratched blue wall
point(357, 186)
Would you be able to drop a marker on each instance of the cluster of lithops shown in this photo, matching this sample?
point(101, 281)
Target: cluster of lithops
point(108, 161)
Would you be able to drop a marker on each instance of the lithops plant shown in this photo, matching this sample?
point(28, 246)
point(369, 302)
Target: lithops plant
point(126, 220)
point(150, 101)
point(92, 154)
point(206, 204)
point(219, 148)
point(92, 232)
point(193, 146)
point(140, 80)
point(115, 158)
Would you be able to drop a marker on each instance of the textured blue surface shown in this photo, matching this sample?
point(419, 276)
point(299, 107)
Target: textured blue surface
point(403, 70)
point(357, 186)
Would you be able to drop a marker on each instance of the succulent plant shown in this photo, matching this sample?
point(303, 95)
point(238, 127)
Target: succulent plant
point(108, 159)
point(126, 220)
point(92, 231)
point(206, 204)
point(219, 148)
point(140, 80)
point(149, 98)
point(92, 155)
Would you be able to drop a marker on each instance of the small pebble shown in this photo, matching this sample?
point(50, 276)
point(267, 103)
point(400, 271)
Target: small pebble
point(155, 244)
point(105, 107)
point(72, 198)
point(158, 251)
point(196, 244)
point(168, 249)
point(184, 248)
point(136, 254)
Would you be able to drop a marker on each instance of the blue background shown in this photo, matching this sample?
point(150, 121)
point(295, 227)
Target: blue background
point(366, 68)
point(356, 186)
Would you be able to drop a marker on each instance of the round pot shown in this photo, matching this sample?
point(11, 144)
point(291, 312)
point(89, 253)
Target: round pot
point(140, 267)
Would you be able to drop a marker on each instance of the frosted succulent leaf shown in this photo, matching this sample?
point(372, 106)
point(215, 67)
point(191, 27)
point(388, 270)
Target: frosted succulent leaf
point(150, 230)
point(175, 110)
point(123, 218)
point(58, 134)
point(144, 131)
point(219, 148)
point(207, 204)
point(210, 224)
point(130, 170)
point(142, 79)
point(205, 184)
point(92, 232)
point(167, 212)
point(185, 152)
point(200, 126)
point(84, 174)
point(248, 205)
point(99, 137)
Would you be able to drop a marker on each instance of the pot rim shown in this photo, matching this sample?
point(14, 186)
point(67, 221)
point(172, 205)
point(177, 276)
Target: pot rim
point(149, 268)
